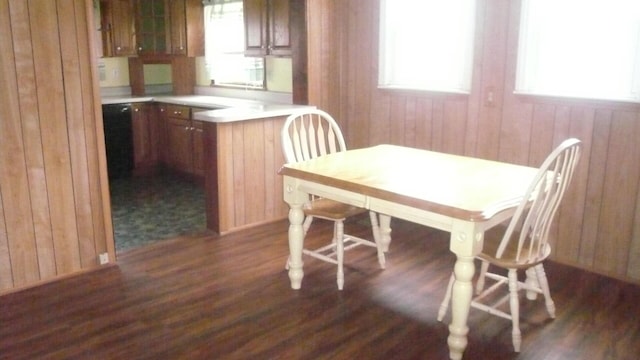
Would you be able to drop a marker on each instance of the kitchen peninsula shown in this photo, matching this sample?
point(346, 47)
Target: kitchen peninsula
point(240, 147)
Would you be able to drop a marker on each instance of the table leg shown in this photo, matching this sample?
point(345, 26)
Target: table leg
point(460, 304)
point(385, 231)
point(296, 239)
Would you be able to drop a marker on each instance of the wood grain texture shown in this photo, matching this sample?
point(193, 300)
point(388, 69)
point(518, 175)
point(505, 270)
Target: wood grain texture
point(20, 265)
point(248, 190)
point(229, 297)
point(597, 227)
point(52, 174)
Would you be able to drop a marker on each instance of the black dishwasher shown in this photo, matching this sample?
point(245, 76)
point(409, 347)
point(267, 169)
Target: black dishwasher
point(118, 139)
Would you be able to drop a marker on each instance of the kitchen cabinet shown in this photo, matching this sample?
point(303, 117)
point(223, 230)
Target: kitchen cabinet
point(184, 141)
point(187, 27)
point(152, 27)
point(145, 132)
point(267, 27)
point(161, 117)
point(117, 26)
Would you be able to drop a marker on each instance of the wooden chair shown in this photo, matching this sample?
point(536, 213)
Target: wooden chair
point(523, 243)
point(307, 135)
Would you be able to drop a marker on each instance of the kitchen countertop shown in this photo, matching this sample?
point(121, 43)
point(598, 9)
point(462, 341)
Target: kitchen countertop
point(223, 109)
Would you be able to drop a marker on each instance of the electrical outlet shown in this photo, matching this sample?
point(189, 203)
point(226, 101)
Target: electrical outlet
point(104, 258)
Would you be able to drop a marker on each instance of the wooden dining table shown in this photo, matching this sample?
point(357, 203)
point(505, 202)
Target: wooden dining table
point(462, 195)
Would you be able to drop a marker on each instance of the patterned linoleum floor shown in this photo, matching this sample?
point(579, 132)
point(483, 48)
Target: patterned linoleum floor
point(149, 209)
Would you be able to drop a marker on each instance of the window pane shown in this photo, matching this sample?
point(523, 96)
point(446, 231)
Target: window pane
point(426, 45)
point(224, 47)
point(580, 48)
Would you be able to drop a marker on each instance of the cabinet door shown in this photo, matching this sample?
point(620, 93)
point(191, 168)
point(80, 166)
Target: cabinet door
point(163, 144)
point(178, 27)
point(279, 34)
point(118, 33)
point(187, 27)
point(142, 146)
point(198, 147)
point(180, 144)
point(255, 23)
point(152, 26)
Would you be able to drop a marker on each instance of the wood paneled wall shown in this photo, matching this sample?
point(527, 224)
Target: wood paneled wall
point(598, 227)
point(54, 207)
point(241, 173)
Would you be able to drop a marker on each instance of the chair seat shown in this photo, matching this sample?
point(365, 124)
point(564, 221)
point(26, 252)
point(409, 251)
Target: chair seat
point(331, 210)
point(492, 239)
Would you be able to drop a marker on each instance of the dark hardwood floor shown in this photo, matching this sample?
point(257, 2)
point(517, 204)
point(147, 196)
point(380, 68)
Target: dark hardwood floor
point(229, 298)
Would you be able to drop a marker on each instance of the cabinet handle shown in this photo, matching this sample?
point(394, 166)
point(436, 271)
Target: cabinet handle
point(118, 48)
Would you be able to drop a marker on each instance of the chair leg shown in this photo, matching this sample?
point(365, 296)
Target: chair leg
point(447, 298)
point(544, 285)
point(375, 228)
point(385, 231)
point(532, 282)
point(339, 237)
point(306, 225)
point(515, 309)
point(483, 271)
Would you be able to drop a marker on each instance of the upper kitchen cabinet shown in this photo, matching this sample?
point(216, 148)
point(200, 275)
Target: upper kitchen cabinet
point(117, 25)
point(153, 27)
point(187, 28)
point(267, 27)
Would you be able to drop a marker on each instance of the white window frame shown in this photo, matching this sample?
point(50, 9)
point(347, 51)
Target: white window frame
point(426, 45)
point(587, 49)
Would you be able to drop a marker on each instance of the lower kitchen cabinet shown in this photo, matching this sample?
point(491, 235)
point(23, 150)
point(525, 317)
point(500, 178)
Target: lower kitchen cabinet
point(198, 148)
point(184, 141)
point(145, 131)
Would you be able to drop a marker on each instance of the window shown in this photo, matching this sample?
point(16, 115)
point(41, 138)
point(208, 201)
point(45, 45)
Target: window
point(426, 45)
point(580, 48)
point(224, 47)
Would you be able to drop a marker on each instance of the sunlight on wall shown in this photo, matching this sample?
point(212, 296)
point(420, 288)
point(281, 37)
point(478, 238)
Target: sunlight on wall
point(279, 74)
point(113, 72)
point(157, 74)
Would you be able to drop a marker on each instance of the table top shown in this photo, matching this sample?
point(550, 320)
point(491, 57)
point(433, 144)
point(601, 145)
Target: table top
point(461, 187)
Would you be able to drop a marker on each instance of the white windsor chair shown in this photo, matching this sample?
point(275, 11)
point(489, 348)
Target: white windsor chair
point(307, 135)
point(523, 243)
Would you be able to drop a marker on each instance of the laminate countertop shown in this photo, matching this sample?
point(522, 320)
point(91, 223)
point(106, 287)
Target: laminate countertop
point(216, 108)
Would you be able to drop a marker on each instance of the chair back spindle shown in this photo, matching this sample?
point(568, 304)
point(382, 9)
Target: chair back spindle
point(310, 134)
point(532, 220)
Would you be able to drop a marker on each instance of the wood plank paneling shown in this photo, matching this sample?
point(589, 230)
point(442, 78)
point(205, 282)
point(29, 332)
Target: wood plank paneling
point(52, 192)
point(55, 138)
point(620, 186)
point(254, 172)
point(70, 41)
point(597, 226)
point(32, 139)
point(14, 182)
point(248, 190)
